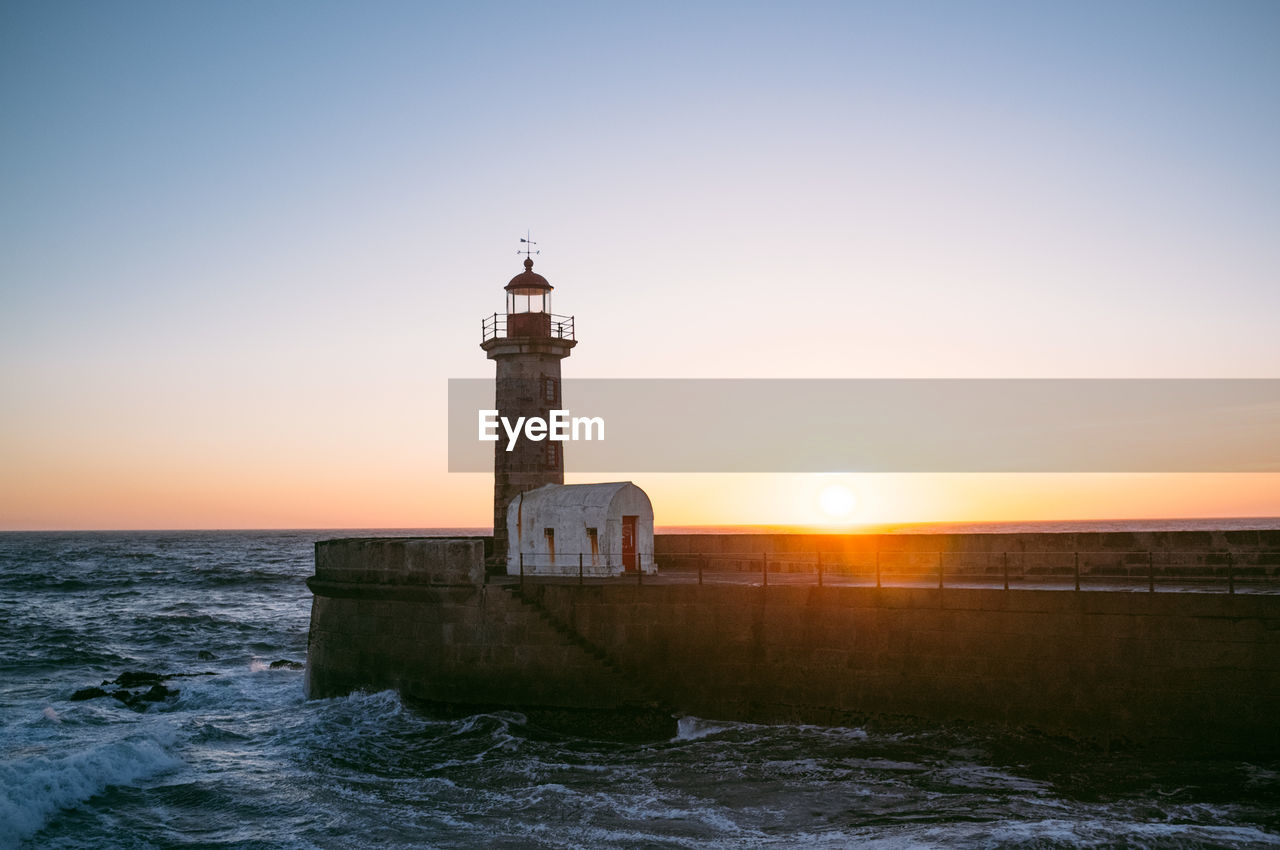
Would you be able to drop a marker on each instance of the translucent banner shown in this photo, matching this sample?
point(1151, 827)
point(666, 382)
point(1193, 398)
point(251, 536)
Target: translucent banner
point(889, 425)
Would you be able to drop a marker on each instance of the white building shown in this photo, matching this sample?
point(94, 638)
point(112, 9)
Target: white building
point(609, 525)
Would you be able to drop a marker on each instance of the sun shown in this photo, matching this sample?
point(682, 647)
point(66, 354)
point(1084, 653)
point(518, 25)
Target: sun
point(837, 501)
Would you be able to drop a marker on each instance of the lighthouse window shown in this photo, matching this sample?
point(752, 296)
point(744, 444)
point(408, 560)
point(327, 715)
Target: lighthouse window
point(549, 388)
point(528, 301)
point(553, 456)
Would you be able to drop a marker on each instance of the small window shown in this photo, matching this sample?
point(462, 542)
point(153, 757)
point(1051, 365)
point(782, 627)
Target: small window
point(553, 455)
point(550, 534)
point(594, 539)
point(550, 389)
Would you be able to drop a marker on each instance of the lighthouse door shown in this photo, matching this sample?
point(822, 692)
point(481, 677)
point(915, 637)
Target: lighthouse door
point(629, 543)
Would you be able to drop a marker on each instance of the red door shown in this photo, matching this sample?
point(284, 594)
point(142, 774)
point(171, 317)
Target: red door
point(629, 543)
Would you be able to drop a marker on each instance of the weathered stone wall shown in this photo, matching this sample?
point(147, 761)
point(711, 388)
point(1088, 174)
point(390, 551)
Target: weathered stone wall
point(1200, 669)
point(524, 365)
point(441, 561)
point(414, 615)
point(477, 646)
point(1106, 665)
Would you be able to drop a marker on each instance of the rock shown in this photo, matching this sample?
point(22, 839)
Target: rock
point(158, 693)
point(206, 655)
point(87, 693)
point(138, 679)
point(286, 664)
point(135, 678)
point(138, 701)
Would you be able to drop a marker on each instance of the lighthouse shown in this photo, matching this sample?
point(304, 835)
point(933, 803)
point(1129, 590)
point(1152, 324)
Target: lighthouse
point(527, 344)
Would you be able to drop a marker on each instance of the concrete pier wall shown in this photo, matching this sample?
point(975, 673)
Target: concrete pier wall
point(1200, 668)
point(416, 616)
point(1197, 669)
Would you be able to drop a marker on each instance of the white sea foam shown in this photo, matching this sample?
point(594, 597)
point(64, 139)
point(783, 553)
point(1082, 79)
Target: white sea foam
point(1093, 833)
point(33, 790)
point(693, 728)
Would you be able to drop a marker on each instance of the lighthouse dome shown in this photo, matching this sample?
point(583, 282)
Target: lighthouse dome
point(528, 281)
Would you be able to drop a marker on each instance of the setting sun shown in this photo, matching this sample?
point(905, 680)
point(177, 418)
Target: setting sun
point(837, 502)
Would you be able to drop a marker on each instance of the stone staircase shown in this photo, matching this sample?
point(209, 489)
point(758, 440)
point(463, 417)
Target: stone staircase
point(634, 694)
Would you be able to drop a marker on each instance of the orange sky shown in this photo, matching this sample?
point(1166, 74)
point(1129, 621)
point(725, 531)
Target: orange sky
point(285, 496)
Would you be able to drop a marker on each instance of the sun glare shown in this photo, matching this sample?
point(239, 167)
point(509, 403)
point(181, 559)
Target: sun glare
point(837, 501)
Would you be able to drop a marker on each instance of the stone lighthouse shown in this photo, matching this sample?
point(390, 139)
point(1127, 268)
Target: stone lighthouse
point(527, 344)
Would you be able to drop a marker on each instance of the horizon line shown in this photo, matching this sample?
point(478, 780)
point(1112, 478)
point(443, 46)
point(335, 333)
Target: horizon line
point(813, 528)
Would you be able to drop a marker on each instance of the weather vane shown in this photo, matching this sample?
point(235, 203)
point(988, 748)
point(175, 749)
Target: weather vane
point(528, 246)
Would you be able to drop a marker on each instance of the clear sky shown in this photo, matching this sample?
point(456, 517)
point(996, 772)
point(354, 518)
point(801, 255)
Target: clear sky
point(243, 246)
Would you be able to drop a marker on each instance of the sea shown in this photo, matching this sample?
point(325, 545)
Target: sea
point(238, 757)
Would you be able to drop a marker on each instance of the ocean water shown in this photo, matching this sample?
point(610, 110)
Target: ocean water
point(240, 759)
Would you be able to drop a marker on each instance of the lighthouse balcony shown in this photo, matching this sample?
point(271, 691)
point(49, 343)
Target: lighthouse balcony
point(542, 325)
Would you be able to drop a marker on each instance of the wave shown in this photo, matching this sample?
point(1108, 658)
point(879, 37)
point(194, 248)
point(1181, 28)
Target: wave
point(32, 791)
point(694, 728)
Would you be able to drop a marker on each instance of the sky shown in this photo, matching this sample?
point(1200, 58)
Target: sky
point(244, 246)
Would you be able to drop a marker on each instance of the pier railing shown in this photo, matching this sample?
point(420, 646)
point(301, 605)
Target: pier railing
point(1148, 571)
point(584, 565)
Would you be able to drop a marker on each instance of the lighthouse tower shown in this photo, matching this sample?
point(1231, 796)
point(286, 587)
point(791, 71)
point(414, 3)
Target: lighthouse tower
point(527, 344)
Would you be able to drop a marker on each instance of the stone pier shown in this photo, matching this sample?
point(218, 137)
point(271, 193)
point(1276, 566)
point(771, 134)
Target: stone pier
point(1193, 670)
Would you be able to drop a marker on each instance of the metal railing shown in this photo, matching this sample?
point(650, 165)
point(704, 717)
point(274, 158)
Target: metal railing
point(584, 565)
point(1131, 570)
point(1205, 570)
point(495, 326)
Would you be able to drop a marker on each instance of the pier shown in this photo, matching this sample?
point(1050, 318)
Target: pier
point(1124, 665)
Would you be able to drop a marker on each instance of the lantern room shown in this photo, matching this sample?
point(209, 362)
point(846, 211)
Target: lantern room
point(528, 314)
point(528, 303)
